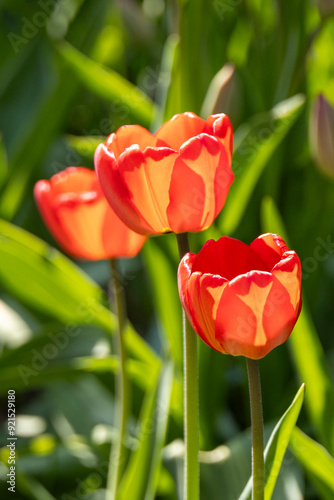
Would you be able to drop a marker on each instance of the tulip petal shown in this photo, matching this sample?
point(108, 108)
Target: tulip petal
point(148, 175)
point(270, 247)
point(204, 294)
point(80, 218)
point(127, 135)
point(288, 272)
point(183, 276)
point(75, 180)
point(254, 315)
point(43, 197)
point(228, 258)
point(180, 129)
point(198, 189)
point(117, 192)
point(73, 186)
point(81, 223)
point(222, 130)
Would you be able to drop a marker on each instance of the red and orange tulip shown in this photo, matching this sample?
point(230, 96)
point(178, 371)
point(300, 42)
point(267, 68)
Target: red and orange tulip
point(175, 180)
point(242, 300)
point(80, 219)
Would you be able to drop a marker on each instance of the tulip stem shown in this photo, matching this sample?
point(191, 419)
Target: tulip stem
point(190, 370)
point(257, 428)
point(118, 452)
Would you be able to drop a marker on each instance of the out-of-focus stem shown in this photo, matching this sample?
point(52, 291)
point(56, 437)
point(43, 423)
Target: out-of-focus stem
point(122, 388)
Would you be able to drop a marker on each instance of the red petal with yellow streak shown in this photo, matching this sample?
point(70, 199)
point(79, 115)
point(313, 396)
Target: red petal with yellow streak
point(254, 315)
point(194, 186)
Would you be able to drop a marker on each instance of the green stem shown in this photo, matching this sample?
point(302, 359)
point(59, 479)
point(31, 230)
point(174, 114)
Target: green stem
point(118, 452)
point(257, 428)
point(190, 369)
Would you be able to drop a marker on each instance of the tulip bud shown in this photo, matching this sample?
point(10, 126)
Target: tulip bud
point(321, 135)
point(325, 7)
point(223, 94)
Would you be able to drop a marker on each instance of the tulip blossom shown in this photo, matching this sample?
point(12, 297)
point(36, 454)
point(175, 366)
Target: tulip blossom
point(242, 300)
point(175, 180)
point(80, 219)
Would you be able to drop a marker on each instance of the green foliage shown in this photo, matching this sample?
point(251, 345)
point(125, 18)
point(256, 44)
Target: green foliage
point(108, 84)
point(255, 144)
point(316, 460)
point(56, 287)
point(307, 351)
point(70, 74)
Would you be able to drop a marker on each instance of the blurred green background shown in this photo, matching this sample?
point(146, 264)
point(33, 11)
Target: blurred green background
point(73, 71)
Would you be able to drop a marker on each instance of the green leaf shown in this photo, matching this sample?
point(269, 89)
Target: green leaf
point(307, 350)
point(255, 144)
point(139, 348)
point(164, 283)
point(86, 145)
point(32, 488)
point(30, 366)
point(36, 371)
point(134, 481)
point(276, 447)
point(161, 421)
point(165, 79)
point(55, 286)
point(271, 220)
point(108, 84)
point(44, 279)
point(320, 65)
point(316, 460)
point(311, 364)
point(3, 163)
point(51, 113)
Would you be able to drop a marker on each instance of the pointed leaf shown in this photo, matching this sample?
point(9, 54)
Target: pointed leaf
point(44, 279)
point(316, 460)
point(52, 110)
point(108, 84)
point(161, 420)
point(32, 488)
point(276, 447)
point(85, 145)
point(134, 481)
